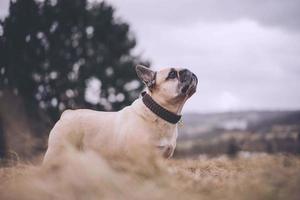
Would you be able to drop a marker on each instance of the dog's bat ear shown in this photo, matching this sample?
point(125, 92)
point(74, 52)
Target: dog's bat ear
point(146, 75)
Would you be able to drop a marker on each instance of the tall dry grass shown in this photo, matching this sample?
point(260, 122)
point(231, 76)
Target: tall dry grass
point(87, 175)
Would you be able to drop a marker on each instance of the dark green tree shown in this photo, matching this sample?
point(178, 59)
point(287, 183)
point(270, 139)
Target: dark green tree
point(53, 50)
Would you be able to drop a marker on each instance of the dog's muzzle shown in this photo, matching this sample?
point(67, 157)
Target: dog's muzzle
point(188, 82)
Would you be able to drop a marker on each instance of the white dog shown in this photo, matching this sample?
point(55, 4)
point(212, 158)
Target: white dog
point(151, 119)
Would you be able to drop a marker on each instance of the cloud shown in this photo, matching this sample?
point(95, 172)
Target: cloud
point(284, 14)
point(254, 63)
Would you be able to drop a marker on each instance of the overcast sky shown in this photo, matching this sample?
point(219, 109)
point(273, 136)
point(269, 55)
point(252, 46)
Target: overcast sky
point(246, 54)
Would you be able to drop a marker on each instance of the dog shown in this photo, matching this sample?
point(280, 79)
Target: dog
point(151, 119)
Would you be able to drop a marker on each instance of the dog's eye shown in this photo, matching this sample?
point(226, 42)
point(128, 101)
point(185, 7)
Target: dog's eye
point(172, 75)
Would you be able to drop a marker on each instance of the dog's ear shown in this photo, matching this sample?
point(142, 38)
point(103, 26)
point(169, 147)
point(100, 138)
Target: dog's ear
point(147, 75)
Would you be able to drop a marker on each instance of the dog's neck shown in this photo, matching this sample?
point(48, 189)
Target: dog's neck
point(173, 107)
point(159, 110)
point(143, 111)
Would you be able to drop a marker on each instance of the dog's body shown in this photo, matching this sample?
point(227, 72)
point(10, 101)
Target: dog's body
point(87, 129)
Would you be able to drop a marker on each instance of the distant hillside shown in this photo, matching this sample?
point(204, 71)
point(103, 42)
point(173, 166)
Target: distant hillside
point(211, 125)
point(232, 132)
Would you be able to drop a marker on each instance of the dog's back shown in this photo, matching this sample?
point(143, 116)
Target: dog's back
point(78, 128)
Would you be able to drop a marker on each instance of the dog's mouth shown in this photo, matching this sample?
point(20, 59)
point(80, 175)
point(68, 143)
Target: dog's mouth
point(184, 89)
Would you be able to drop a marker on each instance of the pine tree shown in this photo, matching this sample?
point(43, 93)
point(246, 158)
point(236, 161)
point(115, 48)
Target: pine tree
point(52, 50)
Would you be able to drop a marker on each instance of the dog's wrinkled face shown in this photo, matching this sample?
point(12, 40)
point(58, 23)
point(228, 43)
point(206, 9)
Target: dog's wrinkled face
point(174, 85)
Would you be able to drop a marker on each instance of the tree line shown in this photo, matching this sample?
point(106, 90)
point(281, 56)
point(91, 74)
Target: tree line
point(60, 54)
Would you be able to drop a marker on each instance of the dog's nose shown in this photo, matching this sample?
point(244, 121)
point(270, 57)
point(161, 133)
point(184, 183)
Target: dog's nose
point(185, 75)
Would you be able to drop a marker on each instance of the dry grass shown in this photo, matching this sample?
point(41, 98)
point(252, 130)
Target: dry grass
point(259, 177)
point(89, 176)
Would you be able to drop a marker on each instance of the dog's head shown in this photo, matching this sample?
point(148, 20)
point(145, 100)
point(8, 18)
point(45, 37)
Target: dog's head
point(170, 85)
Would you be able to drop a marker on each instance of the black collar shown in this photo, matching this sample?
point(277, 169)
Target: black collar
point(159, 110)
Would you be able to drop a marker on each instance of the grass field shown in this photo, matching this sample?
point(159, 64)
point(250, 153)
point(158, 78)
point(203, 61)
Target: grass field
point(89, 176)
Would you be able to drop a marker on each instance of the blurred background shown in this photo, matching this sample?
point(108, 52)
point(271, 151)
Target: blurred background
point(62, 54)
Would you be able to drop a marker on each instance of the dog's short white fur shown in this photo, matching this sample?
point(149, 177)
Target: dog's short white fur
point(87, 129)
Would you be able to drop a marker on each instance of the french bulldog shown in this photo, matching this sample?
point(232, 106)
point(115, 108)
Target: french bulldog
point(151, 119)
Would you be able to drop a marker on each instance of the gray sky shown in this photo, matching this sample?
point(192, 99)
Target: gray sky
point(246, 54)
